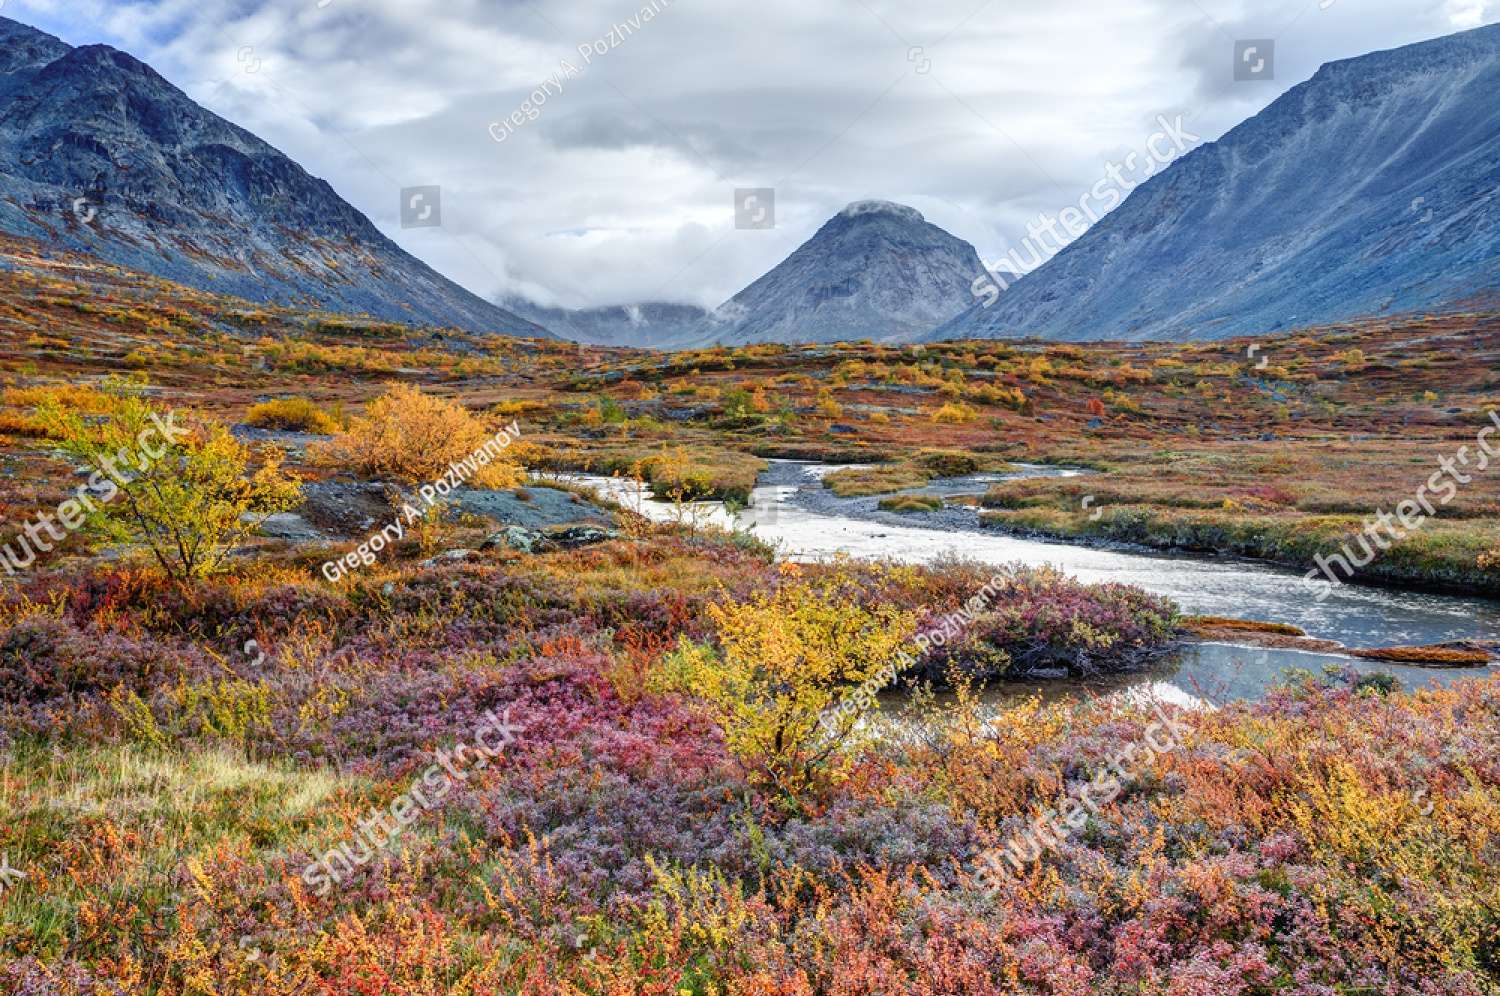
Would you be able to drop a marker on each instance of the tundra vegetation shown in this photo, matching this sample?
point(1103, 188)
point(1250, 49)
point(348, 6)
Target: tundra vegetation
point(178, 743)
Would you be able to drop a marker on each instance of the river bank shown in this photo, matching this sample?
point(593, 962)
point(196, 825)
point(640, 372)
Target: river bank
point(1295, 545)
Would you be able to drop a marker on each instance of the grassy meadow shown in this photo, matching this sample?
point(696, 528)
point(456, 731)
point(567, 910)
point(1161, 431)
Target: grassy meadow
point(191, 719)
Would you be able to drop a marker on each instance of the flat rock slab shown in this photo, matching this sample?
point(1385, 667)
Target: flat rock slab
point(283, 437)
point(291, 527)
point(295, 443)
point(531, 507)
point(354, 509)
point(349, 509)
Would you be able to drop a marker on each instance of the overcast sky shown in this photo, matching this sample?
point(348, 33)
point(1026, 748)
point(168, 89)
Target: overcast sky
point(979, 114)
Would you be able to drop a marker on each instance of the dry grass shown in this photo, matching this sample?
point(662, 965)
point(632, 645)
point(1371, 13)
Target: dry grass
point(859, 482)
point(1426, 656)
point(911, 503)
point(1194, 623)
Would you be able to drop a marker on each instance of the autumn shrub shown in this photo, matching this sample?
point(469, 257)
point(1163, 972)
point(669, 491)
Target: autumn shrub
point(18, 424)
point(911, 503)
point(1353, 359)
point(79, 397)
point(735, 400)
point(316, 358)
point(607, 411)
point(778, 663)
point(415, 437)
point(949, 463)
point(955, 413)
point(191, 496)
point(991, 394)
point(857, 482)
point(1041, 620)
point(293, 415)
point(28, 400)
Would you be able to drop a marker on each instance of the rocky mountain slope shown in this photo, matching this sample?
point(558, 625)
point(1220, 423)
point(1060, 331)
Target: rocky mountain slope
point(100, 153)
point(876, 270)
point(1372, 188)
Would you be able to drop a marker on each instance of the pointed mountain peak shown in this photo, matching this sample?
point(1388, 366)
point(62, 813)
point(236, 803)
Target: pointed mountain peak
point(876, 207)
point(876, 270)
point(110, 58)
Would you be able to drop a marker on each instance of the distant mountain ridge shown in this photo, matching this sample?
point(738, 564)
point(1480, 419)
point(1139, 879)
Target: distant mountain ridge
point(876, 270)
point(652, 324)
point(99, 153)
point(1372, 188)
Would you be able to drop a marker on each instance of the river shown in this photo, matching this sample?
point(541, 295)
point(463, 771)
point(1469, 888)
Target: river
point(791, 509)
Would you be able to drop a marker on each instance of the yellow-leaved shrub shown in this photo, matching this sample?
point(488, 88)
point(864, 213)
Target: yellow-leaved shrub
point(190, 497)
point(291, 414)
point(411, 436)
point(783, 660)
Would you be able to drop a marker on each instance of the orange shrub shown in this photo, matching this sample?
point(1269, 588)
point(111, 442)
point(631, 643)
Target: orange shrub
point(955, 413)
point(293, 414)
point(82, 398)
point(79, 397)
point(415, 437)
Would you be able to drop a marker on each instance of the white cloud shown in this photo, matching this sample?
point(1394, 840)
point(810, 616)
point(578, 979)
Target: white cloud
point(622, 189)
point(1466, 13)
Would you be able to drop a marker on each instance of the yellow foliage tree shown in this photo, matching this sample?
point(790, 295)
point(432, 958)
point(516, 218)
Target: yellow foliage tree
point(185, 491)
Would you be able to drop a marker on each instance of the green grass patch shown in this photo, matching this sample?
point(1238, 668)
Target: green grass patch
point(113, 828)
point(684, 473)
point(911, 503)
point(1441, 554)
point(880, 479)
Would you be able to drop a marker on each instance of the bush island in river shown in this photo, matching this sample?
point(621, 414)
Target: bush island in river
point(646, 834)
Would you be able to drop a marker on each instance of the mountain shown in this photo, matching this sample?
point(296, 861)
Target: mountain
point(1374, 187)
point(100, 153)
point(653, 325)
point(876, 270)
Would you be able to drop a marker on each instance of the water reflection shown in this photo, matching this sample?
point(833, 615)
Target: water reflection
point(1207, 675)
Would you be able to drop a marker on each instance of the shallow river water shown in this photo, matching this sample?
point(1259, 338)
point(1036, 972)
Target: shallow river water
point(791, 509)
